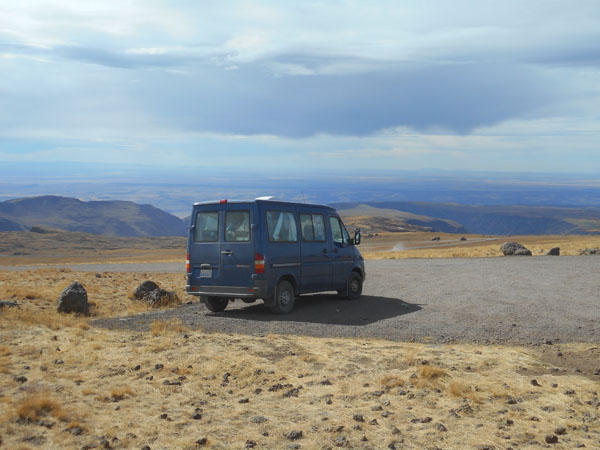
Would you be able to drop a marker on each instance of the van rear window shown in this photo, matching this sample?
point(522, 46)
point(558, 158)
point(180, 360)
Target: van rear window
point(207, 226)
point(281, 226)
point(237, 226)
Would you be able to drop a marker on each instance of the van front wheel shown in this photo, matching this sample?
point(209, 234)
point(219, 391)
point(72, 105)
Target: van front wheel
point(283, 301)
point(354, 287)
point(216, 304)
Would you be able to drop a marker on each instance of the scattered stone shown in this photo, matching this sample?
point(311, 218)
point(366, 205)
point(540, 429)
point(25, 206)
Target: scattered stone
point(98, 275)
point(551, 439)
point(441, 427)
point(514, 248)
point(422, 420)
point(373, 422)
point(534, 382)
point(376, 408)
point(164, 416)
point(202, 441)
point(358, 418)
point(590, 251)
point(292, 392)
point(341, 441)
point(463, 238)
point(437, 238)
point(258, 419)
point(243, 400)
point(158, 366)
point(396, 431)
point(197, 416)
point(570, 392)
point(250, 444)
point(554, 251)
point(21, 379)
point(151, 293)
point(74, 299)
point(560, 431)
point(58, 362)
point(325, 382)
point(293, 435)
point(8, 304)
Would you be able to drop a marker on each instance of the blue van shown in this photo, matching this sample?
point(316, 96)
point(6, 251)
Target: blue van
point(270, 250)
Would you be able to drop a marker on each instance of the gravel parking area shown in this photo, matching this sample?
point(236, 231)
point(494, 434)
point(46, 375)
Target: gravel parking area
point(516, 300)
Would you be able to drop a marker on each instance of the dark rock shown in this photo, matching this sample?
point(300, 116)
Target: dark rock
point(74, 299)
point(250, 444)
point(590, 251)
point(441, 427)
point(21, 379)
point(293, 435)
point(554, 251)
point(437, 238)
point(534, 382)
point(560, 431)
point(341, 441)
point(146, 447)
point(197, 416)
point(158, 366)
point(164, 416)
point(98, 275)
point(376, 408)
point(514, 248)
point(551, 439)
point(8, 304)
point(358, 418)
point(243, 400)
point(463, 238)
point(145, 288)
point(202, 441)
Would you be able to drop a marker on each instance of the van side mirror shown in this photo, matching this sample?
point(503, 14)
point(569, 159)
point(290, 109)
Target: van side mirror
point(356, 240)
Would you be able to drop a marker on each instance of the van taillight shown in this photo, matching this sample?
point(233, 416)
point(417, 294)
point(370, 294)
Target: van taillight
point(259, 263)
point(187, 263)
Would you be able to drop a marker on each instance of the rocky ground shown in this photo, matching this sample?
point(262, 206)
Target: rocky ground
point(66, 384)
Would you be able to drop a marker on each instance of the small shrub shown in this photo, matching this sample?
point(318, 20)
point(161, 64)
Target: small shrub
point(160, 327)
point(40, 405)
point(431, 373)
point(392, 381)
point(121, 393)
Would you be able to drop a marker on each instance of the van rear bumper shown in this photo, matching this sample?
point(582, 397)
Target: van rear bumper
point(259, 290)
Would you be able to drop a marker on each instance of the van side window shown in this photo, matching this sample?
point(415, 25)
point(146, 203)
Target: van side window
point(340, 235)
point(281, 226)
point(207, 227)
point(313, 227)
point(237, 226)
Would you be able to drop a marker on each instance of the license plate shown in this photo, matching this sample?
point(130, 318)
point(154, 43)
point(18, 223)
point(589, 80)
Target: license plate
point(206, 273)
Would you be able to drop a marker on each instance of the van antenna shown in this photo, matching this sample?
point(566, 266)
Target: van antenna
point(303, 199)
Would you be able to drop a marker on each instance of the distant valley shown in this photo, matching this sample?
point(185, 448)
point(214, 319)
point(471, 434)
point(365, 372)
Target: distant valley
point(129, 219)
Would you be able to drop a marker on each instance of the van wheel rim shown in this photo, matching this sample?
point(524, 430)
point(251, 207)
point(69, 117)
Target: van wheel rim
point(284, 298)
point(354, 286)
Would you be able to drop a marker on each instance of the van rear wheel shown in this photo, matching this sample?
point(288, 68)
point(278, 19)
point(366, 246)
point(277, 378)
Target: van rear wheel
point(283, 301)
point(216, 304)
point(353, 288)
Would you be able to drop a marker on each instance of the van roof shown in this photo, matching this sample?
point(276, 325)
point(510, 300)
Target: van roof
point(258, 200)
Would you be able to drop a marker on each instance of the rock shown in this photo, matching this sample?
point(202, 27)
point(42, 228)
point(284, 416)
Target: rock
point(151, 292)
point(145, 288)
point(463, 238)
point(551, 439)
point(21, 379)
point(202, 441)
point(437, 238)
point(293, 435)
point(258, 419)
point(590, 251)
point(441, 427)
point(250, 444)
point(341, 441)
point(358, 418)
point(243, 400)
point(534, 382)
point(74, 299)
point(560, 431)
point(514, 248)
point(8, 304)
point(554, 251)
point(197, 416)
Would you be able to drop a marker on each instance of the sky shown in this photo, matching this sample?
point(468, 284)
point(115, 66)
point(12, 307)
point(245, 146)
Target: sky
point(511, 86)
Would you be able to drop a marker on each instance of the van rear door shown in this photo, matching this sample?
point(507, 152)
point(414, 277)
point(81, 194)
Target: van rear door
point(237, 246)
point(205, 245)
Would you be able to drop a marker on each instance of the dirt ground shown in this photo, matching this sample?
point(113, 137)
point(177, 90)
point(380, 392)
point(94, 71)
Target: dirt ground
point(66, 384)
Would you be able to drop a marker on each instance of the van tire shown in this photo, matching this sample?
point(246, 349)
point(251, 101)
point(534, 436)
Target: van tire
point(216, 304)
point(283, 300)
point(354, 287)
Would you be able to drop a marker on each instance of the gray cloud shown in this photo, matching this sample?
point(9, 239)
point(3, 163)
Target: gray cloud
point(458, 97)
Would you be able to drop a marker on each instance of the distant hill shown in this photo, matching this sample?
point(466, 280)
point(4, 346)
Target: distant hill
point(372, 220)
point(113, 218)
point(498, 219)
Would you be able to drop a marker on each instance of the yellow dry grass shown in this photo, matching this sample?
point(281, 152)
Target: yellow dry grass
point(450, 246)
point(171, 386)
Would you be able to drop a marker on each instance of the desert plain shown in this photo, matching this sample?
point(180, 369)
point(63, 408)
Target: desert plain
point(68, 383)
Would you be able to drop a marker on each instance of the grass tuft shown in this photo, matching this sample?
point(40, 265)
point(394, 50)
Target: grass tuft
point(392, 381)
point(37, 406)
point(162, 327)
point(121, 393)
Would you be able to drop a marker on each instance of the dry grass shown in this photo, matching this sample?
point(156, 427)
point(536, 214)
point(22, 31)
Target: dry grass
point(171, 386)
point(38, 406)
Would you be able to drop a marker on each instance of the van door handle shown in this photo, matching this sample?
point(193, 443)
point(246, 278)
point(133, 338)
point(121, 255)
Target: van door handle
point(335, 250)
point(324, 251)
point(226, 252)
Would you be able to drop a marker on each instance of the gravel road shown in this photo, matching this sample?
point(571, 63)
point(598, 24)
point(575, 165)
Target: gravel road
point(518, 300)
